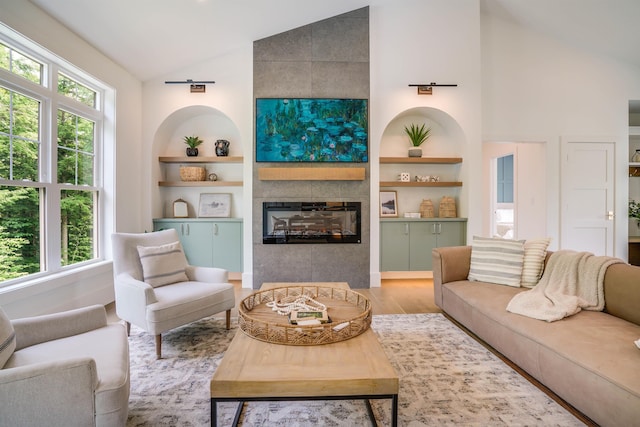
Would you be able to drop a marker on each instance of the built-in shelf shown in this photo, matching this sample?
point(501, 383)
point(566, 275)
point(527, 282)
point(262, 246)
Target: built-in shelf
point(419, 184)
point(196, 159)
point(311, 174)
point(200, 183)
point(444, 160)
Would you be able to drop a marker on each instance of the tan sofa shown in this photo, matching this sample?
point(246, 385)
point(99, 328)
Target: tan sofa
point(588, 359)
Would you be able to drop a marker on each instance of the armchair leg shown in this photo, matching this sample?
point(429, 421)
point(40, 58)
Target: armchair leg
point(228, 319)
point(128, 325)
point(158, 346)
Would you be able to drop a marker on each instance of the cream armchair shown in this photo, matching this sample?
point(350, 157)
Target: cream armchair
point(64, 369)
point(157, 290)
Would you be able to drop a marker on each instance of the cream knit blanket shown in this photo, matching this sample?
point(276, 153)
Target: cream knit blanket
point(571, 281)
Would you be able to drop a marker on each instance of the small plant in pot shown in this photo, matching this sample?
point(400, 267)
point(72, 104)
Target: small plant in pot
point(417, 135)
point(192, 142)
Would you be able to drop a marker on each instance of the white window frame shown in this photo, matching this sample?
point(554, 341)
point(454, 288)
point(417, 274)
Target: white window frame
point(103, 115)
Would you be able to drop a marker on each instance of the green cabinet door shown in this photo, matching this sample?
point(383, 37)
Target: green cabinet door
point(423, 238)
point(394, 246)
point(227, 245)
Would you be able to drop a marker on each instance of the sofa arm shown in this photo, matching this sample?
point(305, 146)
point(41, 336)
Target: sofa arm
point(132, 298)
point(39, 329)
point(450, 264)
point(207, 274)
point(51, 393)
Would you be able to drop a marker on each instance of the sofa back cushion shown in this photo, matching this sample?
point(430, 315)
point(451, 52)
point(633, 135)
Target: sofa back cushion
point(7, 338)
point(622, 292)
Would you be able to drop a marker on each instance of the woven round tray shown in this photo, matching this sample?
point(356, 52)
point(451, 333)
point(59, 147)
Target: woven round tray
point(349, 313)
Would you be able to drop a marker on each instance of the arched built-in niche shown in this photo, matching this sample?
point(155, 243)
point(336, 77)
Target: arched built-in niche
point(210, 125)
point(447, 140)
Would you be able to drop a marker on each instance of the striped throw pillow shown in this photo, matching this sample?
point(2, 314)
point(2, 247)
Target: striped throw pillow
point(7, 338)
point(535, 251)
point(163, 265)
point(496, 261)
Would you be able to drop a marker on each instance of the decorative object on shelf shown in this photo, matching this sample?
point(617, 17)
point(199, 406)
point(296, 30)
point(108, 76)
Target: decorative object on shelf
point(634, 216)
point(213, 177)
point(447, 207)
point(192, 173)
point(636, 157)
point(412, 214)
point(427, 88)
point(192, 142)
point(214, 205)
point(426, 209)
point(222, 148)
point(180, 209)
point(194, 86)
point(417, 135)
point(405, 177)
point(388, 204)
point(423, 178)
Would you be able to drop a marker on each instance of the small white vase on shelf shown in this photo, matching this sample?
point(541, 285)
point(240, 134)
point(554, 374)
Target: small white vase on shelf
point(636, 157)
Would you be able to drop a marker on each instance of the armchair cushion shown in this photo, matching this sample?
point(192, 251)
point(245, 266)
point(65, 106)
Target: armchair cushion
point(163, 265)
point(7, 338)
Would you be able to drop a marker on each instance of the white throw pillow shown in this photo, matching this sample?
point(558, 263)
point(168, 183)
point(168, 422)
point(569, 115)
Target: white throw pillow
point(496, 261)
point(163, 265)
point(7, 338)
point(535, 251)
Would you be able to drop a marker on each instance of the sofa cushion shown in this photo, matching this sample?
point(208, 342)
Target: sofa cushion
point(7, 338)
point(535, 251)
point(163, 265)
point(496, 261)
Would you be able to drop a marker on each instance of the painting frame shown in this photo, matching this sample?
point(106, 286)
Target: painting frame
point(214, 205)
point(388, 204)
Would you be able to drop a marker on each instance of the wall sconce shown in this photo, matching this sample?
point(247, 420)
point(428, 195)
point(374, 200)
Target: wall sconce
point(427, 88)
point(194, 87)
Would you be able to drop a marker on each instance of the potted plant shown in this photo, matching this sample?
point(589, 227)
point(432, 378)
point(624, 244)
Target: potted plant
point(192, 142)
point(634, 217)
point(417, 135)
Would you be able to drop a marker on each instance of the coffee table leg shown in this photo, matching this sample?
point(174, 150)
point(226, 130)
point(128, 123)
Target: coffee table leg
point(394, 410)
point(214, 413)
point(372, 416)
point(236, 419)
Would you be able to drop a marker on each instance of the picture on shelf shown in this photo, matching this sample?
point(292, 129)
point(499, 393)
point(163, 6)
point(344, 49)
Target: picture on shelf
point(312, 130)
point(214, 205)
point(388, 204)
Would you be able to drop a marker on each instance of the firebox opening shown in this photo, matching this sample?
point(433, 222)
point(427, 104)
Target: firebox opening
point(310, 222)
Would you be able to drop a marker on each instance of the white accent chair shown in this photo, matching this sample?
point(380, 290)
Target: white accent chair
point(159, 308)
point(64, 369)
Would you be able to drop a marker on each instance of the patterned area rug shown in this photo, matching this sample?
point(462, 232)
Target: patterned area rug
point(446, 378)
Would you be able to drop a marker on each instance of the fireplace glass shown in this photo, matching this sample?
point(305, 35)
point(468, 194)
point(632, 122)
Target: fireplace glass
point(310, 222)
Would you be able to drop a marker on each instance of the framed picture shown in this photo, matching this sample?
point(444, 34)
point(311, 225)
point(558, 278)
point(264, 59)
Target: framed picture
point(214, 205)
point(388, 204)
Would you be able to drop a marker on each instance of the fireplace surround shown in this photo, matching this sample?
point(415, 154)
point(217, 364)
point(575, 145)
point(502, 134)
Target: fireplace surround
point(311, 222)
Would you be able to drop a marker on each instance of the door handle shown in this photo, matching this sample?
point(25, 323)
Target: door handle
point(610, 215)
point(215, 229)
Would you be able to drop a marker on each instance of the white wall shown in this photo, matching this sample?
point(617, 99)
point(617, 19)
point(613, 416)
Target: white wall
point(93, 284)
point(537, 89)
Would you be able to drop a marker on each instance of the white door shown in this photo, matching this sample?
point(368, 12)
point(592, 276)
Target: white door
point(587, 197)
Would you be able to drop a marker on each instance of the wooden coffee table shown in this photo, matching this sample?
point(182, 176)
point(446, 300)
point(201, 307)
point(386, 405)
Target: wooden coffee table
point(254, 370)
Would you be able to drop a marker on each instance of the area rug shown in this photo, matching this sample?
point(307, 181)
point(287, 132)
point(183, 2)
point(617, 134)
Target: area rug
point(446, 378)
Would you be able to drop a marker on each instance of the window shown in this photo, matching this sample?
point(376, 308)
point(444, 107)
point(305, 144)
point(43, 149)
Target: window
point(51, 127)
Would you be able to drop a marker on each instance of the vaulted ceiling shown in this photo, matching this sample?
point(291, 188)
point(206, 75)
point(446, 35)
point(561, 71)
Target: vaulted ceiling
point(151, 38)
